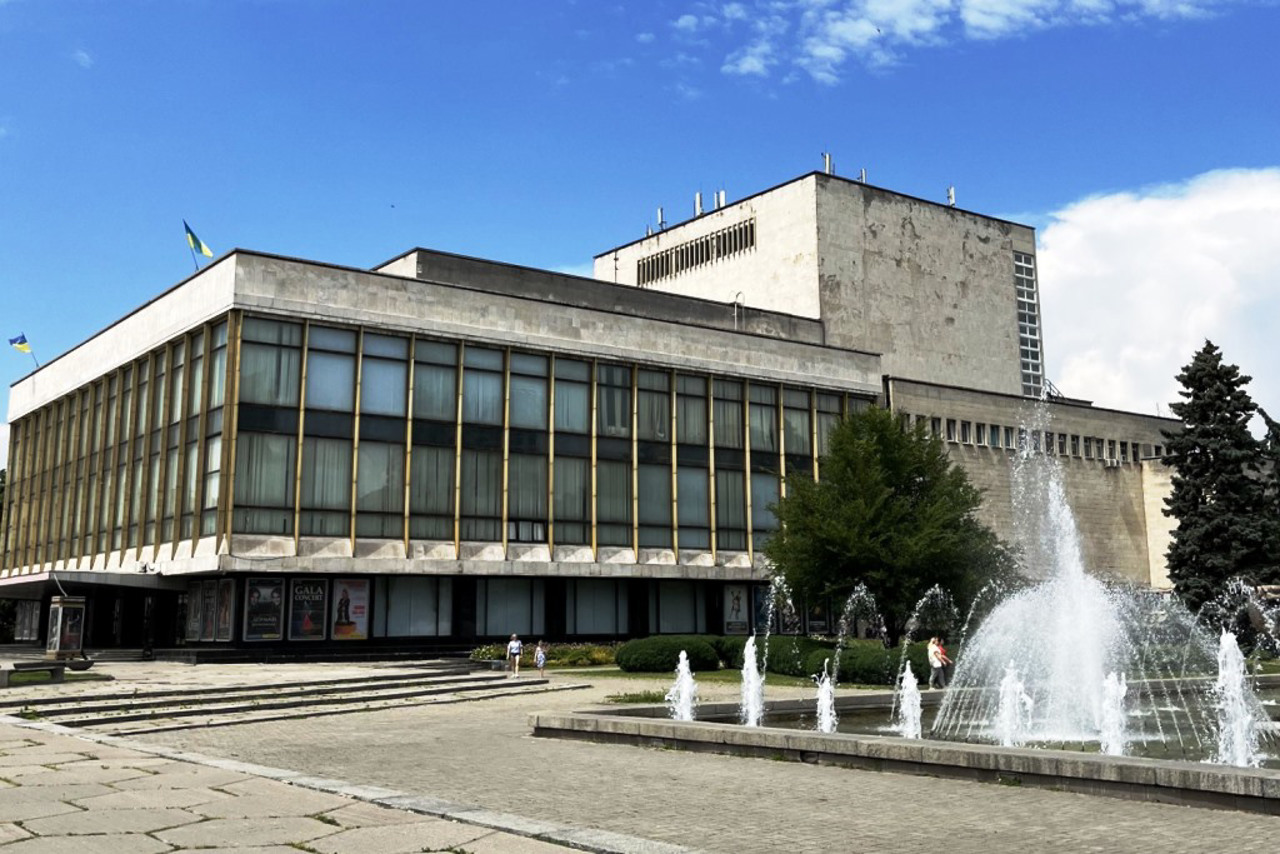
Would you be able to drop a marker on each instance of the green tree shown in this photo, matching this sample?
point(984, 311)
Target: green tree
point(1218, 496)
point(891, 511)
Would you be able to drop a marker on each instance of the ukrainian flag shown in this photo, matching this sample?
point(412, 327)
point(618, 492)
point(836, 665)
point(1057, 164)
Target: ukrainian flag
point(196, 244)
point(20, 344)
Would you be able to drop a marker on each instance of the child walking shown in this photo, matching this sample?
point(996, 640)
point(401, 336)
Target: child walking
point(540, 658)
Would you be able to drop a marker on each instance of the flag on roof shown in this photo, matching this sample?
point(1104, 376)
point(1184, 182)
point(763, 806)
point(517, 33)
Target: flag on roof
point(196, 244)
point(20, 344)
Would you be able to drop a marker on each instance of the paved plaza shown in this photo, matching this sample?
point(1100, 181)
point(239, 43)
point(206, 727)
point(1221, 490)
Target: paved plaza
point(476, 762)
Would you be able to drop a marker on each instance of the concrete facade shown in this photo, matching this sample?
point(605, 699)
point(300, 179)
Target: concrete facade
point(930, 287)
point(1115, 497)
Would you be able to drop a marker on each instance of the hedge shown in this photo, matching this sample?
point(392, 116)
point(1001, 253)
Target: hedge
point(661, 654)
point(869, 663)
point(558, 654)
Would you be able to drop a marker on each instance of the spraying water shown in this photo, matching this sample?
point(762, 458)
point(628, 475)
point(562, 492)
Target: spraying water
point(1052, 647)
point(1237, 719)
point(1111, 716)
point(682, 699)
point(751, 710)
point(1013, 716)
point(827, 719)
point(907, 723)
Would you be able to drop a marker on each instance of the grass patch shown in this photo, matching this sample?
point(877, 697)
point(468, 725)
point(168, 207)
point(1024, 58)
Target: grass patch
point(33, 677)
point(641, 697)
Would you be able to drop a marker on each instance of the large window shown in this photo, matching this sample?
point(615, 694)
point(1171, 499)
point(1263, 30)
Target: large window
point(414, 606)
point(327, 455)
point(435, 413)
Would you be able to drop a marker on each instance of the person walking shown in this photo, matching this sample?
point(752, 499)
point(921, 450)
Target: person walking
point(514, 649)
point(540, 658)
point(938, 662)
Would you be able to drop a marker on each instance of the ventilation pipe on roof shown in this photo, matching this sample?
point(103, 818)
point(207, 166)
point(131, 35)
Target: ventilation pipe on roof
point(697, 203)
point(951, 196)
point(826, 164)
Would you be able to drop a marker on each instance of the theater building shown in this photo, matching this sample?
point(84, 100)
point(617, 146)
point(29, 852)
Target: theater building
point(286, 454)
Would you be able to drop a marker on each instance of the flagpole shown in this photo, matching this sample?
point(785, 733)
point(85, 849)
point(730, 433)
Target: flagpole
point(193, 256)
point(30, 352)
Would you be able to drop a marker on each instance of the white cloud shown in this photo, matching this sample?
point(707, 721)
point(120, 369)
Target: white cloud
point(686, 23)
point(1132, 284)
point(644, 38)
point(829, 34)
point(82, 58)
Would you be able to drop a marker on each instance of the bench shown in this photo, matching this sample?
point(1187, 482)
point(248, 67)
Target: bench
point(55, 669)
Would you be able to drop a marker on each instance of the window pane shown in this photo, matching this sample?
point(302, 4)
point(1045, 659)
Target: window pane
point(527, 498)
point(613, 503)
point(431, 493)
point(764, 428)
point(653, 416)
point(731, 510)
point(528, 402)
point(481, 495)
point(695, 514)
point(572, 500)
point(383, 387)
point(434, 390)
point(573, 406)
point(269, 375)
point(331, 381)
point(482, 397)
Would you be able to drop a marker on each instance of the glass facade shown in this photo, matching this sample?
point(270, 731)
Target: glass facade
point(359, 434)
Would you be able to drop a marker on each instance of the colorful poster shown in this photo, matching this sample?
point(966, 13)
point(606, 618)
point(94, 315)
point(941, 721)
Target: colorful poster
point(307, 609)
point(209, 610)
point(226, 607)
point(195, 597)
point(351, 609)
point(735, 610)
point(263, 609)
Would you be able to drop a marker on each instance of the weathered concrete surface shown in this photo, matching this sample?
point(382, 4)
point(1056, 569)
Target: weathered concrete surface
point(483, 756)
point(65, 793)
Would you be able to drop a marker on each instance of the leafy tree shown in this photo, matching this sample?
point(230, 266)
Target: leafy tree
point(891, 511)
point(1218, 497)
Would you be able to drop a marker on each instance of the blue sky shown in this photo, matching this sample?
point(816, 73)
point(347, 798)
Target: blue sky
point(1140, 138)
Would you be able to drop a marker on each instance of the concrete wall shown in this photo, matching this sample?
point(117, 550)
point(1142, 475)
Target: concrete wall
point(929, 286)
point(300, 289)
point(1111, 502)
point(1157, 485)
point(205, 295)
point(779, 274)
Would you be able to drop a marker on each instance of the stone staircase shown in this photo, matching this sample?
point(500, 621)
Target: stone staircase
point(140, 712)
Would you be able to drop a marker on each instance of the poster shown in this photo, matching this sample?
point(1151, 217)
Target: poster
point(735, 609)
point(209, 610)
point(195, 596)
point(760, 610)
point(55, 627)
point(351, 609)
point(819, 624)
point(263, 609)
point(307, 609)
point(226, 607)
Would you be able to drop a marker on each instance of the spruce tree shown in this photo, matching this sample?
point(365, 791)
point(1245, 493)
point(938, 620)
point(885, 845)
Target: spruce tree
point(1217, 495)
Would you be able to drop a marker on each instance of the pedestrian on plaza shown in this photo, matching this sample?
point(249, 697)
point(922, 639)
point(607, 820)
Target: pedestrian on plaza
point(540, 658)
point(938, 662)
point(948, 666)
point(514, 649)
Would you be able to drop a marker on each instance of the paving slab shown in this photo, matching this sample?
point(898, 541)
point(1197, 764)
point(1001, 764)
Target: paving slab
point(149, 798)
point(83, 822)
point(292, 801)
point(426, 834)
point(39, 775)
point(108, 843)
point(27, 810)
point(247, 831)
point(369, 815)
point(11, 833)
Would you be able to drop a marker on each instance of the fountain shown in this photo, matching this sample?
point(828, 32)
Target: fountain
point(909, 711)
point(1111, 722)
point(1237, 725)
point(682, 699)
point(752, 708)
point(827, 719)
point(1074, 647)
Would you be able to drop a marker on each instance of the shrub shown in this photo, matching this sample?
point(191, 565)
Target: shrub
point(661, 654)
point(869, 663)
point(789, 654)
point(729, 649)
point(558, 654)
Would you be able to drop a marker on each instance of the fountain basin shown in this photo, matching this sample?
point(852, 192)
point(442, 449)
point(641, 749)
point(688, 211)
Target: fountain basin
point(1164, 781)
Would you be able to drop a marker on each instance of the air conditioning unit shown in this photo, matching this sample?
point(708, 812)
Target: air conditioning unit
point(1112, 464)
